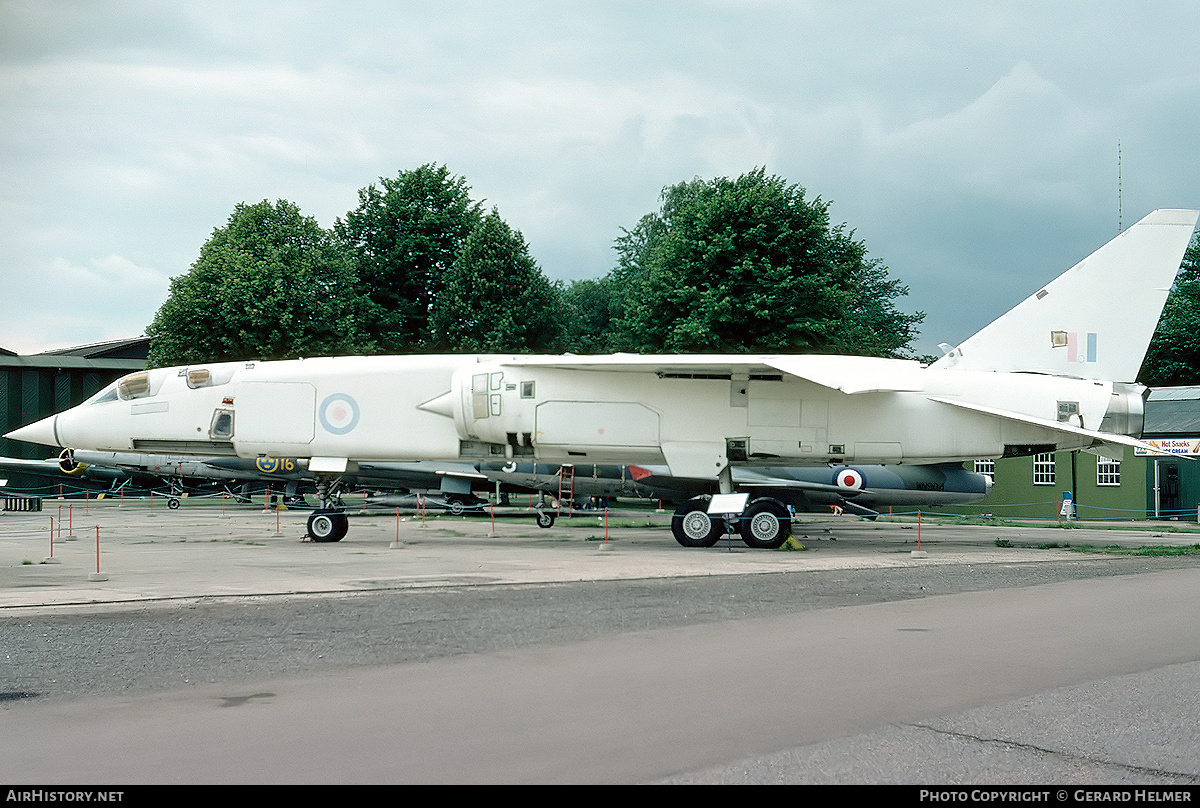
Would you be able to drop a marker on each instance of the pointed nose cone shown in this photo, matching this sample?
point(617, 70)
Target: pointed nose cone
point(43, 431)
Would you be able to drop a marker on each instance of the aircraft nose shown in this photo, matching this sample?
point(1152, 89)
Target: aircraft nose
point(44, 432)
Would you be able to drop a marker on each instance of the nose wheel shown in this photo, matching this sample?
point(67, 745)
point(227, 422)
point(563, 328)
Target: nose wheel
point(327, 525)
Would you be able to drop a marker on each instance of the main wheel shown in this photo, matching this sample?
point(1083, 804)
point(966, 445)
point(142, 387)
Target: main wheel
point(693, 527)
point(766, 524)
point(328, 526)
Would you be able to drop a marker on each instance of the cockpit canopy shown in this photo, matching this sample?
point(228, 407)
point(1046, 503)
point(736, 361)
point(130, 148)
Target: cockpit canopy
point(147, 383)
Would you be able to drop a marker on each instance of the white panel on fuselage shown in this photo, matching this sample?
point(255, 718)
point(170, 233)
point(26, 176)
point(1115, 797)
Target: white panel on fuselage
point(780, 409)
point(274, 412)
point(597, 423)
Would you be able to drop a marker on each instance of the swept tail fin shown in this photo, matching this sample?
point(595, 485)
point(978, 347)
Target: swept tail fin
point(1095, 320)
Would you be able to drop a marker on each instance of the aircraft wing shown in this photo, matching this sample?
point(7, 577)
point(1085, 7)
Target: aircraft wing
point(854, 374)
point(849, 374)
point(1109, 438)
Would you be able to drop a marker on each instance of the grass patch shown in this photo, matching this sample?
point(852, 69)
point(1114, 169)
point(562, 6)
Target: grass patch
point(1146, 550)
point(590, 523)
point(1134, 524)
point(1110, 549)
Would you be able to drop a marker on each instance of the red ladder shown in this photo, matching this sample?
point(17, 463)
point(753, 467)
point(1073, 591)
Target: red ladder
point(566, 487)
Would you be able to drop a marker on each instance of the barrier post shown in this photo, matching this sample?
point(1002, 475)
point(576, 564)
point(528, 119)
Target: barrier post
point(50, 559)
point(396, 544)
point(918, 553)
point(97, 575)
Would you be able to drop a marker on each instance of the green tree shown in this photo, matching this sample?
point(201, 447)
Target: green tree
point(404, 236)
point(749, 265)
point(494, 298)
point(270, 284)
point(1173, 358)
point(587, 315)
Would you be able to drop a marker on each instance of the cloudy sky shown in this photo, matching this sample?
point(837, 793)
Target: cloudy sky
point(973, 147)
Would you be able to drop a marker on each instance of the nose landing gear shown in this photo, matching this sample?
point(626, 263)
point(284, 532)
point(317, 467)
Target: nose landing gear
point(327, 524)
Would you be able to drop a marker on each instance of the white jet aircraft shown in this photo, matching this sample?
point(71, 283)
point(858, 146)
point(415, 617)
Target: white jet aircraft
point(1055, 373)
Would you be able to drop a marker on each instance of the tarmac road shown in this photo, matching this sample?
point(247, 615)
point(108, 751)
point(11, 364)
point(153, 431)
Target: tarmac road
point(218, 654)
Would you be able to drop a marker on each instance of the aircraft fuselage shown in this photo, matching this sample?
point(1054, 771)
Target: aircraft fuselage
point(694, 418)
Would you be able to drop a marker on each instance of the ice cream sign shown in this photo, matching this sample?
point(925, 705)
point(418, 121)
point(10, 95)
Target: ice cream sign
point(1175, 446)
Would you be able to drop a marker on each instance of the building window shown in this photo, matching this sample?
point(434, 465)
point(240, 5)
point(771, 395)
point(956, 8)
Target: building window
point(1108, 471)
point(1043, 469)
point(987, 467)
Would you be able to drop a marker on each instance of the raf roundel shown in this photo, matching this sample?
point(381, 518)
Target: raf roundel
point(338, 414)
point(849, 478)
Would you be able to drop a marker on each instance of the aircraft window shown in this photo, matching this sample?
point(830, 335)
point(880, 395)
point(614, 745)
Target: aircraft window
point(527, 389)
point(135, 386)
point(140, 385)
point(107, 394)
point(209, 377)
point(222, 425)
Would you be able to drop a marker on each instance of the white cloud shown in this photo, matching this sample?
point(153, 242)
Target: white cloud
point(73, 304)
point(973, 148)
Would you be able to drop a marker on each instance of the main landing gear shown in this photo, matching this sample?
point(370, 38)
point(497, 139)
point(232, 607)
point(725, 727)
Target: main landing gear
point(765, 525)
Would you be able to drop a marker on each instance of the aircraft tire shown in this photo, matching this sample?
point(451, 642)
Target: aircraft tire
point(545, 519)
point(173, 503)
point(693, 527)
point(327, 526)
point(766, 524)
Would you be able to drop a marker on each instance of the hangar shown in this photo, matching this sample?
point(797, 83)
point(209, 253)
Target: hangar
point(37, 385)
